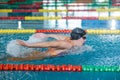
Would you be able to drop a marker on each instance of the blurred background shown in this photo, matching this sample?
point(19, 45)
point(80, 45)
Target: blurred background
point(61, 14)
point(99, 50)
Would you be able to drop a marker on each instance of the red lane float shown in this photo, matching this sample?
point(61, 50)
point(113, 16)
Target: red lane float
point(53, 31)
point(14, 1)
point(116, 4)
point(18, 0)
point(34, 5)
point(42, 67)
point(24, 10)
point(27, 6)
point(10, 2)
point(39, 3)
point(12, 18)
point(42, 2)
point(3, 3)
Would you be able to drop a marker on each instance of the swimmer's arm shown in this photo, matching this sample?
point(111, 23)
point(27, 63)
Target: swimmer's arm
point(52, 44)
point(57, 36)
point(25, 59)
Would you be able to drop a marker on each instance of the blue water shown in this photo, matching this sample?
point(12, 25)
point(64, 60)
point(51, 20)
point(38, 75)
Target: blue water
point(105, 51)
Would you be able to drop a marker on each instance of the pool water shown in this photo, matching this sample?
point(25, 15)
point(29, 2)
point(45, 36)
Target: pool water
point(104, 50)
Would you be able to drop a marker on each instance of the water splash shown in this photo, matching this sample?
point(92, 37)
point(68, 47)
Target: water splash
point(16, 50)
point(78, 50)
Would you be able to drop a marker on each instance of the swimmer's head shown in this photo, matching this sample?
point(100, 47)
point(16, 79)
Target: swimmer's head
point(78, 33)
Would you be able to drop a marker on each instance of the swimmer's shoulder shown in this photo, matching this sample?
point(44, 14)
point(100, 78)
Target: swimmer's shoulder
point(67, 38)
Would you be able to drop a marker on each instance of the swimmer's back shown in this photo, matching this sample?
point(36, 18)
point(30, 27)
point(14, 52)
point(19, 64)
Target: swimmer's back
point(57, 51)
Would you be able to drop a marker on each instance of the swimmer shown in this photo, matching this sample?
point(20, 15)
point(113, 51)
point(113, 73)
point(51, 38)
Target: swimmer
point(60, 45)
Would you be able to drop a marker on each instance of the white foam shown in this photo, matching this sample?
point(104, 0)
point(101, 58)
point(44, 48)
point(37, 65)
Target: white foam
point(16, 50)
point(33, 39)
point(80, 50)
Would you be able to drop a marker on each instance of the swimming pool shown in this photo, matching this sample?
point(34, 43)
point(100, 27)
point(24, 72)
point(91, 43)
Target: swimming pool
point(99, 50)
point(102, 50)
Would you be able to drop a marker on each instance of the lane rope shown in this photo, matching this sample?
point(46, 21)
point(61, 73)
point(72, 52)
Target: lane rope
point(58, 68)
point(27, 31)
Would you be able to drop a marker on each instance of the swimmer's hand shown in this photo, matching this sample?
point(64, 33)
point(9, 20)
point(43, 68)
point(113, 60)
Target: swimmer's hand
point(23, 43)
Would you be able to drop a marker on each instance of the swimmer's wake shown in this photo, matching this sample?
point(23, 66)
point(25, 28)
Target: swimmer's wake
point(79, 50)
point(16, 50)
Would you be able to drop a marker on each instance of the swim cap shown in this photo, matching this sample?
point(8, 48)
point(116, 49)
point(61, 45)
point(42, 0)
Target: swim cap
point(77, 33)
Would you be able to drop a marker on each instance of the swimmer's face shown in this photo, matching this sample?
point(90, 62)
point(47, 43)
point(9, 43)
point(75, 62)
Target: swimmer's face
point(82, 39)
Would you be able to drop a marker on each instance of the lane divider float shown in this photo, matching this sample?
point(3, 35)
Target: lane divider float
point(27, 31)
point(58, 68)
